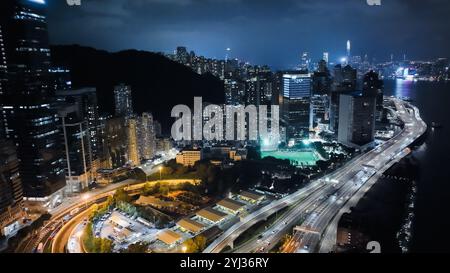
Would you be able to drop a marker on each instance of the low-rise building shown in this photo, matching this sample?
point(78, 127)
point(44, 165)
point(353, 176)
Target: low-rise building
point(169, 237)
point(211, 215)
point(231, 206)
point(238, 155)
point(251, 197)
point(189, 225)
point(189, 157)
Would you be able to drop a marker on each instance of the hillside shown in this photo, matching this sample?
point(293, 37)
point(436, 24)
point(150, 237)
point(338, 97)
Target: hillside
point(158, 83)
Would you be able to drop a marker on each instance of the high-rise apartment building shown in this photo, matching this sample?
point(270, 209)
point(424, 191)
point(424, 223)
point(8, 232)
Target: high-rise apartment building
point(123, 101)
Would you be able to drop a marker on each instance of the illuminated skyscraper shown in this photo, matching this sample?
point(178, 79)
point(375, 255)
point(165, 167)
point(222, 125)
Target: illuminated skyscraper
point(234, 92)
point(27, 99)
point(146, 136)
point(305, 62)
point(344, 82)
point(78, 158)
point(133, 152)
point(297, 110)
point(349, 50)
point(123, 101)
point(11, 194)
point(326, 58)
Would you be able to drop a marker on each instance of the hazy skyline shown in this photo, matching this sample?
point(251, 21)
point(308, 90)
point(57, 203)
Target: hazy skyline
point(259, 31)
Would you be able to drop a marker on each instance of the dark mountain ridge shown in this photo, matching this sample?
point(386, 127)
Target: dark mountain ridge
point(157, 82)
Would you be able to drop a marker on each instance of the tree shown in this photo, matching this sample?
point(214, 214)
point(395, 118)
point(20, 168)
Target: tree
point(94, 212)
point(106, 246)
point(136, 248)
point(200, 242)
point(195, 245)
point(122, 195)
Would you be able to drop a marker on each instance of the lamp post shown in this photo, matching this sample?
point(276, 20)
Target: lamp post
point(160, 174)
point(85, 199)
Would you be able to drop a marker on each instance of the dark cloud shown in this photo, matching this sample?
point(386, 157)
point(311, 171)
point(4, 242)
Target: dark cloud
point(261, 31)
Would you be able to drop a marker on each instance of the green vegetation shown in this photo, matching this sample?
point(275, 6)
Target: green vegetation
point(158, 188)
point(98, 211)
point(93, 244)
point(121, 195)
point(136, 248)
point(195, 245)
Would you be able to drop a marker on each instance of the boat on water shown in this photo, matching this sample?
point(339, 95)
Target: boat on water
point(436, 125)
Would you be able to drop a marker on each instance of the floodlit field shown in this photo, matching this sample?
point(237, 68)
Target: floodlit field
point(296, 157)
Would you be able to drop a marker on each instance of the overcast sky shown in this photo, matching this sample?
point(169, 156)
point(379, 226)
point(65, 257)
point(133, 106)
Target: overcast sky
point(273, 32)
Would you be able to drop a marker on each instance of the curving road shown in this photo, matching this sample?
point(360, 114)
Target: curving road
point(321, 201)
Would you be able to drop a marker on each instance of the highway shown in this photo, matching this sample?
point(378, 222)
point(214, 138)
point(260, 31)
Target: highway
point(320, 201)
point(47, 233)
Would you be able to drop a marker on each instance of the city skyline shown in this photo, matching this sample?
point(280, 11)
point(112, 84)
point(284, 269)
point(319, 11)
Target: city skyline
point(256, 33)
point(300, 160)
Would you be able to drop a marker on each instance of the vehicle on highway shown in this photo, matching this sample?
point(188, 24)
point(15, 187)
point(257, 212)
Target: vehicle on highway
point(74, 211)
point(40, 248)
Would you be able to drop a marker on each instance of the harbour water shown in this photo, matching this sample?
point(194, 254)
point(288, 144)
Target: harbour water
point(431, 221)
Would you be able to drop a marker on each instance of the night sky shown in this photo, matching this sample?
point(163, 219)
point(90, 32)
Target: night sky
point(273, 32)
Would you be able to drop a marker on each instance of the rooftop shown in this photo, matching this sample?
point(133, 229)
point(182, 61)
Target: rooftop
point(211, 214)
point(231, 204)
point(169, 237)
point(251, 195)
point(191, 225)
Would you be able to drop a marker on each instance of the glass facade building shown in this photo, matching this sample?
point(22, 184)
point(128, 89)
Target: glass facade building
point(27, 98)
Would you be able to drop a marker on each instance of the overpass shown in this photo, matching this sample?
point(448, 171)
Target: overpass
point(310, 200)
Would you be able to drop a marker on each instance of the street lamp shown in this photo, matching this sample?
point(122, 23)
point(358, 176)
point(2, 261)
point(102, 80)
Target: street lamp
point(85, 198)
point(160, 175)
point(184, 249)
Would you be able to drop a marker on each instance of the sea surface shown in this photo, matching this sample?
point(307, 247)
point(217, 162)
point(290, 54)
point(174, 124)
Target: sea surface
point(431, 222)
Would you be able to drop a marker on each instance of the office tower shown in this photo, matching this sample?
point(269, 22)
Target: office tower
point(349, 50)
point(321, 79)
point(345, 78)
point(320, 105)
point(234, 92)
point(60, 78)
point(146, 136)
point(344, 82)
point(30, 119)
point(85, 100)
point(11, 193)
point(305, 62)
point(133, 152)
point(78, 158)
point(297, 110)
point(356, 119)
point(373, 87)
point(123, 101)
point(3, 64)
point(326, 58)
